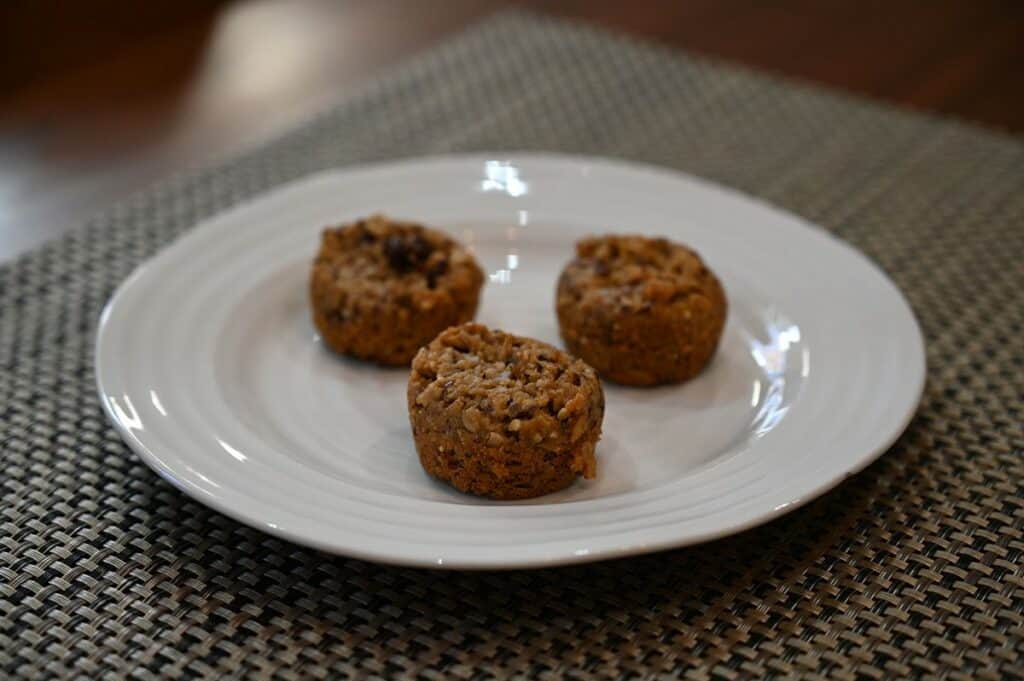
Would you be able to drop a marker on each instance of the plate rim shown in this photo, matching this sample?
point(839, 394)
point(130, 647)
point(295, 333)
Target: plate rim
point(566, 556)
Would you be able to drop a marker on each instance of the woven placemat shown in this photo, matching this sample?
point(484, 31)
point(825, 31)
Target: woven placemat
point(913, 567)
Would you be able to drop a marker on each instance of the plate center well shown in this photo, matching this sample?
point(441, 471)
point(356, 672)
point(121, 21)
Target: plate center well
point(346, 419)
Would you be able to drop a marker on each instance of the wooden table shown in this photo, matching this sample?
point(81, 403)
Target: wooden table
point(98, 99)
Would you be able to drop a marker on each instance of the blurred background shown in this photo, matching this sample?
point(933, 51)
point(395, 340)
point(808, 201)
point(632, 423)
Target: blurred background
point(100, 98)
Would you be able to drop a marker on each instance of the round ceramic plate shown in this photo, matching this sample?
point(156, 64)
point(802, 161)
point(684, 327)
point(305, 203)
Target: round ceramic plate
point(209, 366)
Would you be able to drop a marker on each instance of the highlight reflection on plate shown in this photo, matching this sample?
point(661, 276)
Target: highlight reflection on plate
point(238, 403)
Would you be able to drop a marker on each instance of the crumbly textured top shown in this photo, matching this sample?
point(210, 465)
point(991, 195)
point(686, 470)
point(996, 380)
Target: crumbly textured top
point(509, 385)
point(379, 256)
point(634, 271)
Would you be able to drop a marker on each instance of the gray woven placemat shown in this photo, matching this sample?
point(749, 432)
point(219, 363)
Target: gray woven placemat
point(913, 567)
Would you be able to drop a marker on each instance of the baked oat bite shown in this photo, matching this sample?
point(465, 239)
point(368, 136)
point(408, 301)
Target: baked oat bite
point(380, 288)
point(503, 416)
point(641, 311)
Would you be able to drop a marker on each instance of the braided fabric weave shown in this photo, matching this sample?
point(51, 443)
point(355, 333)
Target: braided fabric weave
point(912, 568)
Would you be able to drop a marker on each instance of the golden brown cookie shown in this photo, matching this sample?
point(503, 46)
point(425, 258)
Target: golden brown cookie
point(503, 416)
point(380, 289)
point(641, 311)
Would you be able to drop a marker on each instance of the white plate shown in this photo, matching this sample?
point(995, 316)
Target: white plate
point(211, 370)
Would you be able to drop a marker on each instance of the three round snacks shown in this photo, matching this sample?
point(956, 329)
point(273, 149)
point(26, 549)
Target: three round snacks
point(499, 415)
